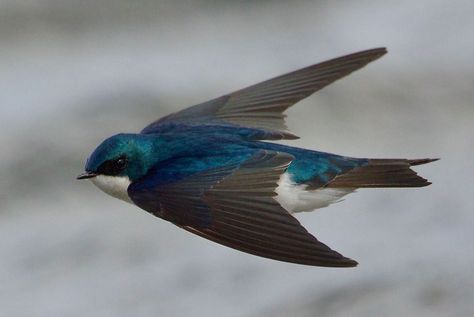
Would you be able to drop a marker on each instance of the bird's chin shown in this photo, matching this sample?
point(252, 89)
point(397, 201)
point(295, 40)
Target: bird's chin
point(115, 186)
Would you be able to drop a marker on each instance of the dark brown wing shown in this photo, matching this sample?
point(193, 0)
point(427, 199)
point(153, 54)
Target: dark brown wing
point(247, 218)
point(261, 106)
point(234, 206)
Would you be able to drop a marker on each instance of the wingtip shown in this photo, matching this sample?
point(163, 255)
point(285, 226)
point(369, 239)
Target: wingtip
point(354, 263)
point(381, 49)
point(377, 52)
point(422, 161)
point(342, 263)
point(350, 263)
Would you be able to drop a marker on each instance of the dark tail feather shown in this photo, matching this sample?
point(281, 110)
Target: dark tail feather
point(383, 173)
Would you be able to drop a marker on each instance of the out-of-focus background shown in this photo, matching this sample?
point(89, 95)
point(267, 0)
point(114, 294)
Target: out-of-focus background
point(75, 72)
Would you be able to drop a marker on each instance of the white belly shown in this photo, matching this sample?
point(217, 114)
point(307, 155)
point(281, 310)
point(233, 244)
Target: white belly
point(115, 186)
point(292, 197)
point(295, 198)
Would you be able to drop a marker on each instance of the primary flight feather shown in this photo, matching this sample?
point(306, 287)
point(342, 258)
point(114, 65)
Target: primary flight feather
point(208, 169)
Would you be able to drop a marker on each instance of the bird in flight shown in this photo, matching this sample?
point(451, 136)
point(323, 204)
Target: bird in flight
point(209, 170)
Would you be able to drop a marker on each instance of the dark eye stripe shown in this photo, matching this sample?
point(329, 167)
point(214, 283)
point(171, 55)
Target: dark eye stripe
point(113, 167)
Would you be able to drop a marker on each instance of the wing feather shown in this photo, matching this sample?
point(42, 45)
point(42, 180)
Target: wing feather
point(260, 107)
point(235, 206)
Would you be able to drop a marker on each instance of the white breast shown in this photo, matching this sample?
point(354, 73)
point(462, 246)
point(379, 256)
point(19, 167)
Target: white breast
point(115, 186)
point(295, 198)
point(292, 197)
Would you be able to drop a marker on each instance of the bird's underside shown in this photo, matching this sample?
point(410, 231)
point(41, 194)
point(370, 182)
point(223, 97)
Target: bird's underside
point(245, 202)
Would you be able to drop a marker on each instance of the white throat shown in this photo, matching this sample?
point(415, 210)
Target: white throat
point(115, 186)
point(292, 197)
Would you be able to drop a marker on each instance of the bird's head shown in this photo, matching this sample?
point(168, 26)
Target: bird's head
point(118, 161)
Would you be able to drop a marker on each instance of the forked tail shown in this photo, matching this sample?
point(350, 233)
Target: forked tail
point(382, 173)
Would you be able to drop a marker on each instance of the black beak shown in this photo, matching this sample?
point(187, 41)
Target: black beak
point(86, 175)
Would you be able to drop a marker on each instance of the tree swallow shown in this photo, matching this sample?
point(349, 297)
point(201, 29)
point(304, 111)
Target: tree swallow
point(209, 170)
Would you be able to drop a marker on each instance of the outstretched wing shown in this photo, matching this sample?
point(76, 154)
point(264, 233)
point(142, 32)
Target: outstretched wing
point(260, 107)
point(234, 205)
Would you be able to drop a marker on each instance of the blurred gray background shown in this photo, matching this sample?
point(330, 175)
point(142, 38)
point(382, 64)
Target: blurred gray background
point(75, 72)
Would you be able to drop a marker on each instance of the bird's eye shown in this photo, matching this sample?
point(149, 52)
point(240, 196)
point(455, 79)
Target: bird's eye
point(113, 167)
point(120, 163)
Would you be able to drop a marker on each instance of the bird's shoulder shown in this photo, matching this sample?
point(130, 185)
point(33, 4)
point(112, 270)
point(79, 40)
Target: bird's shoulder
point(185, 153)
